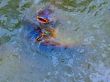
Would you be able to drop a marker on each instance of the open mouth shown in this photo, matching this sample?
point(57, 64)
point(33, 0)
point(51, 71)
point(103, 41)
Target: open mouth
point(42, 20)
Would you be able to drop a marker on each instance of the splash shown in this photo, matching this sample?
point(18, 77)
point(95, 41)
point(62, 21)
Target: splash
point(46, 32)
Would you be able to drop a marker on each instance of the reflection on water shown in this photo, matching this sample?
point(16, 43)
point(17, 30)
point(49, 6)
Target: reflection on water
point(86, 27)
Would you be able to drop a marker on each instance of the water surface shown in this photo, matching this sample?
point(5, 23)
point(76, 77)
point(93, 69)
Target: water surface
point(83, 24)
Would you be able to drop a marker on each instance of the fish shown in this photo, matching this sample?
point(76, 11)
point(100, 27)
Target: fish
point(45, 33)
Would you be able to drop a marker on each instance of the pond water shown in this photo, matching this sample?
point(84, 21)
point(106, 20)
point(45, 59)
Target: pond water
point(84, 26)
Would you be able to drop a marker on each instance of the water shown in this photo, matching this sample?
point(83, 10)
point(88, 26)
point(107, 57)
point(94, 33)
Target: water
point(83, 25)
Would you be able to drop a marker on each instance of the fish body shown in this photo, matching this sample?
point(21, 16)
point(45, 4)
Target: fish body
point(45, 32)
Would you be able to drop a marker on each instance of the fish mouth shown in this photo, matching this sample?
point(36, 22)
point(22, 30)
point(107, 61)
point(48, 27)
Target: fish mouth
point(42, 20)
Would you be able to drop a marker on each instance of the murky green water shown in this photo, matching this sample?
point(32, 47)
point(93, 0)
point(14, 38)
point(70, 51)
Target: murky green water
point(84, 24)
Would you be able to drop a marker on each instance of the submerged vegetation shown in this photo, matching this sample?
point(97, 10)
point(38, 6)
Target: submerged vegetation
point(10, 16)
point(70, 5)
point(76, 5)
point(10, 13)
point(4, 39)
